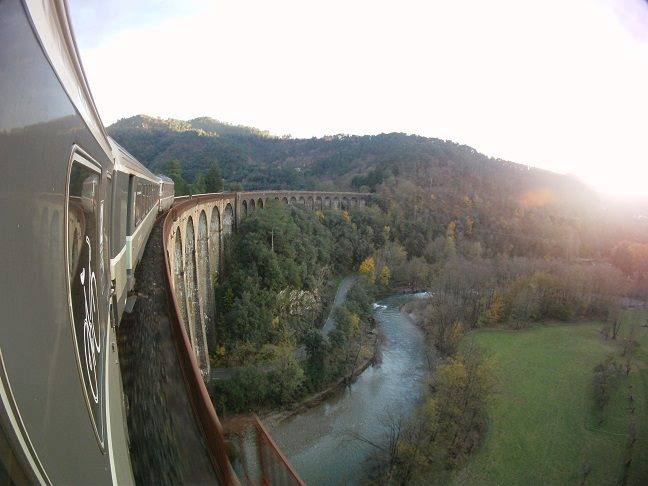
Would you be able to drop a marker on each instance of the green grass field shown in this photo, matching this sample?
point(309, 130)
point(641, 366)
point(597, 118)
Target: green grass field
point(542, 425)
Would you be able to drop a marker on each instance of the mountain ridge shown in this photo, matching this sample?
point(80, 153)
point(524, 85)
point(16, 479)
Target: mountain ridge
point(297, 154)
point(428, 185)
point(205, 124)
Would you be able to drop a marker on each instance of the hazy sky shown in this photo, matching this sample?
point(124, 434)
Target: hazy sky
point(559, 84)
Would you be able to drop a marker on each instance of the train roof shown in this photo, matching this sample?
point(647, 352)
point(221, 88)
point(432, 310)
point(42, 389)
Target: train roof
point(125, 162)
point(52, 24)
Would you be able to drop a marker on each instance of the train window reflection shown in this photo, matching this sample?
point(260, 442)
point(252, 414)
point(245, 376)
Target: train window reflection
point(84, 256)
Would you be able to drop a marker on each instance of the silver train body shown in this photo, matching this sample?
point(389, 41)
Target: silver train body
point(77, 210)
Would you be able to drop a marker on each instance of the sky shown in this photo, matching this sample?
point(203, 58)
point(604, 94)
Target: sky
point(557, 84)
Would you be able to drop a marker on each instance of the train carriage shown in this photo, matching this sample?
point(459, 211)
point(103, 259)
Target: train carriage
point(77, 211)
point(61, 411)
point(166, 193)
point(136, 195)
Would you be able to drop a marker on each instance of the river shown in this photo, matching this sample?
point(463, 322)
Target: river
point(320, 442)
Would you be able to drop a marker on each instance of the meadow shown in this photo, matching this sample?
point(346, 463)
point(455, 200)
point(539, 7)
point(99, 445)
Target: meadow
point(543, 425)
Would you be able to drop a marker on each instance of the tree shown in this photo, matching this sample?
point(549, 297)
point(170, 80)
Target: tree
point(368, 269)
point(213, 180)
point(605, 381)
point(612, 323)
point(451, 237)
point(173, 169)
point(447, 427)
point(198, 186)
point(495, 312)
point(384, 275)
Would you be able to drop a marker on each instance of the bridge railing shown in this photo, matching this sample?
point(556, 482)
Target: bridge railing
point(259, 460)
point(274, 468)
point(202, 405)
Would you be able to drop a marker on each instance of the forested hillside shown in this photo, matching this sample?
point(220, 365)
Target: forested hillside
point(496, 244)
point(441, 197)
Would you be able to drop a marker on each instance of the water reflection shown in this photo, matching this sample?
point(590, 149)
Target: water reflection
point(320, 443)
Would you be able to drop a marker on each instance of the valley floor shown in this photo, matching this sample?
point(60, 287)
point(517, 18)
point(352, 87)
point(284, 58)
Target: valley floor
point(542, 427)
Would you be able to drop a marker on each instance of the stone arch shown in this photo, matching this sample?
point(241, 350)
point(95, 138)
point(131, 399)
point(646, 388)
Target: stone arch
point(226, 231)
point(302, 201)
point(252, 205)
point(293, 200)
point(354, 201)
point(284, 200)
point(214, 241)
point(318, 203)
point(336, 203)
point(179, 283)
point(191, 282)
point(327, 202)
point(204, 268)
point(244, 206)
point(310, 202)
point(228, 219)
point(345, 203)
point(260, 203)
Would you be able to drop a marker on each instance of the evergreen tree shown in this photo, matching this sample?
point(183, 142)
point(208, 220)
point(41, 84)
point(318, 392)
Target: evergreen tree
point(173, 169)
point(199, 185)
point(213, 180)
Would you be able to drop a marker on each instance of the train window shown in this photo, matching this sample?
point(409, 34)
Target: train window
point(120, 213)
point(84, 283)
point(138, 202)
point(108, 209)
point(145, 199)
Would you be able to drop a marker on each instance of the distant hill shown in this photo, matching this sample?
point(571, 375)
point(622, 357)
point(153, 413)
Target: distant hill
point(206, 125)
point(246, 155)
point(430, 182)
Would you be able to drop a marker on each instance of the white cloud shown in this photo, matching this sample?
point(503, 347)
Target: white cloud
point(556, 84)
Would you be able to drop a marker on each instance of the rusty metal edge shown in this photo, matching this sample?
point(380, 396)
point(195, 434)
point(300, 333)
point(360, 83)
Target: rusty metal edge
point(259, 425)
point(199, 396)
point(202, 405)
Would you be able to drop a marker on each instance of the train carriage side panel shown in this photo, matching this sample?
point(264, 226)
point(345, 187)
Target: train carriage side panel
point(53, 193)
point(146, 209)
point(118, 259)
point(142, 206)
point(166, 193)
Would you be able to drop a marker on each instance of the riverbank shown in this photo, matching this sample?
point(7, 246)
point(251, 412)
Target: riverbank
point(324, 441)
point(340, 296)
point(412, 309)
point(340, 354)
point(342, 287)
point(318, 398)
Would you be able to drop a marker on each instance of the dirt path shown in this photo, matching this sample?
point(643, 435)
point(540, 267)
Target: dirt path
point(342, 291)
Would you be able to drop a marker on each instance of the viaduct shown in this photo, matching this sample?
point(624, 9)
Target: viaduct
point(194, 233)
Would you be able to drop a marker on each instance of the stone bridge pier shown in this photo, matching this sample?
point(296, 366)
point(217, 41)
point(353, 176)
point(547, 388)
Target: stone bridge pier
point(199, 229)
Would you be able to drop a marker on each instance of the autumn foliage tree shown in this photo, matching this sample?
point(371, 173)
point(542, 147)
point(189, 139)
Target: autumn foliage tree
point(445, 429)
point(368, 269)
